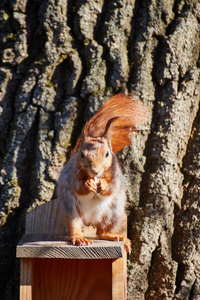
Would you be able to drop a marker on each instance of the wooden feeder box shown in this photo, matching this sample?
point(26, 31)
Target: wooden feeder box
point(53, 269)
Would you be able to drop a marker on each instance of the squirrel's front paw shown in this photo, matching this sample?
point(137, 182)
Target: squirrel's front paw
point(79, 240)
point(102, 185)
point(91, 185)
point(96, 185)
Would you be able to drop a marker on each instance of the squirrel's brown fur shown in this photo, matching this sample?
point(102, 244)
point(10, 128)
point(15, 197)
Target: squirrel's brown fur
point(91, 187)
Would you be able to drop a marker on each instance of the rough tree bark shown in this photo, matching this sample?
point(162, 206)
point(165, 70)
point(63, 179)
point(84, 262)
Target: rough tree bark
point(60, 60)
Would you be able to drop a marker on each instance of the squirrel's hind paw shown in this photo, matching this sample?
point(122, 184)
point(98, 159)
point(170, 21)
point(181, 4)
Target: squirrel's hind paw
point(127, 245)
point(115, 237)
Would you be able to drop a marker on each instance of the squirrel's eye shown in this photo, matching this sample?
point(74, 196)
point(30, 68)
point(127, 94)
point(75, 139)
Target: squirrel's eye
point(82, 155)
point(107, 154)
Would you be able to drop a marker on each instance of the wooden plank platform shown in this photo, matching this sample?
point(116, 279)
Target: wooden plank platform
point(55, 246)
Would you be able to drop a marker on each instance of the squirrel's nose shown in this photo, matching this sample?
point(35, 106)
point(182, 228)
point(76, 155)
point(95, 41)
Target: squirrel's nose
point(94, 171)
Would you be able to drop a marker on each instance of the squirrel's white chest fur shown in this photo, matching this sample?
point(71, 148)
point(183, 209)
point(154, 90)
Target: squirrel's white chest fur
point(92, 207)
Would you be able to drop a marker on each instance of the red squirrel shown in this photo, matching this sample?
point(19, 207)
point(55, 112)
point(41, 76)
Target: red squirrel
point(91, 186)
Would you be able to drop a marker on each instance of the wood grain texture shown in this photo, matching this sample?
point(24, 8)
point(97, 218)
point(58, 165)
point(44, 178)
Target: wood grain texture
point(45, 219)
point(26, 279)
point(72, 279)
point(119, 279)
point(53, 246)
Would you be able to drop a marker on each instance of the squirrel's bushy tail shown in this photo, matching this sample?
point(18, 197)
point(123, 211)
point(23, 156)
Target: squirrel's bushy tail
point(117, 118)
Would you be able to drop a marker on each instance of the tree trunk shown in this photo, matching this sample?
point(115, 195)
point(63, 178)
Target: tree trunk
point(60, 60)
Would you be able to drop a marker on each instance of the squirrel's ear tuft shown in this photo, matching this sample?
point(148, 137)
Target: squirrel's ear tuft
point(107, 132)
point(85, 130)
